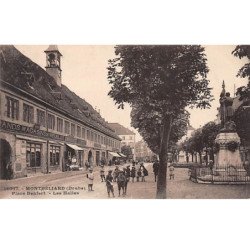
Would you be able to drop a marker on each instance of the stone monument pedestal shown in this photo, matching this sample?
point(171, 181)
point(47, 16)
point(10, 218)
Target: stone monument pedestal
point(228, 160)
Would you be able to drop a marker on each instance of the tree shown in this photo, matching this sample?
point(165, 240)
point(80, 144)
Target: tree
point(149, 127)
point(126, 150)
point(209, 133)
point(162, 81)
point(243, 51)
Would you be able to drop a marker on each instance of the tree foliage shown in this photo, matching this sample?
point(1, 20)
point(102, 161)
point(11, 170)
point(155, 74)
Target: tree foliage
point(202, 138)
point(243, 51)
point(126, 150)
point(159, 82)
point(150, 128)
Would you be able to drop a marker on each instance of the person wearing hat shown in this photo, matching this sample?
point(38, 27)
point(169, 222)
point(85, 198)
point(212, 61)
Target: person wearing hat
point(132, 174)
point(109, 183)
point(90, 177)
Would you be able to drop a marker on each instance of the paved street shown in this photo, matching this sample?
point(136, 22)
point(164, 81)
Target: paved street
point(70, 185)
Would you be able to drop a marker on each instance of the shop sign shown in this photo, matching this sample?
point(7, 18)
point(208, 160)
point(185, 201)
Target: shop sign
point(9, 126)
point(81, 142)
point(96, 145)
point(70, 138)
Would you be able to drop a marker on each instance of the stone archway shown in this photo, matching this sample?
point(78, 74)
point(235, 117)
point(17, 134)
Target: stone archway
point(5, 157)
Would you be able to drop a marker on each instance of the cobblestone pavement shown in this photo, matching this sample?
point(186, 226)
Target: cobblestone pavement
point(73, 185)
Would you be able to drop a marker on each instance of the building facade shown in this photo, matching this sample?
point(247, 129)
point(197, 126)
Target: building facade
point(44, 125)
point(127, 136)
point(143, 152)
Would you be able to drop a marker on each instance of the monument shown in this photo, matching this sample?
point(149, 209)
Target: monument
point(228, 158)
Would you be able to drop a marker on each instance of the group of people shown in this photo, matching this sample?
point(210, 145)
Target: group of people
point(120, 176)
point(123, 176)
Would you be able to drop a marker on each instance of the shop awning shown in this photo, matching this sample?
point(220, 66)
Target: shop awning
point(122, 155)
point(114, 154)
point(75, 147)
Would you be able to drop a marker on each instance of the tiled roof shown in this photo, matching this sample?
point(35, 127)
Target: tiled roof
point(19, 71)
point(121, 130)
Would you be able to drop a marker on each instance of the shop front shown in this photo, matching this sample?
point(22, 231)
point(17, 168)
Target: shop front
point(113, 158)
point(74, 157)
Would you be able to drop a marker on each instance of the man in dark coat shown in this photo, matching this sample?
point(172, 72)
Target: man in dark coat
point(109, 183)
point(156, 169)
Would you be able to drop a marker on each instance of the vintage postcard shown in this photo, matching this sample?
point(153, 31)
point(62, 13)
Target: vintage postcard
point(124, 122)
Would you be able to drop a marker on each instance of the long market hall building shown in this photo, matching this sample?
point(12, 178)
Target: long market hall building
point(44, 125)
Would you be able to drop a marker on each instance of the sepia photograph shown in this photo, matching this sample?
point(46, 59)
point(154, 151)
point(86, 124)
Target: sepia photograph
point(125, 122)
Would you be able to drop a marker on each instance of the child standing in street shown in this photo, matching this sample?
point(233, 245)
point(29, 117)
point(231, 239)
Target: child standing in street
point(171, 172)
point(90, 177)
point(109, 183)
point(102, 173)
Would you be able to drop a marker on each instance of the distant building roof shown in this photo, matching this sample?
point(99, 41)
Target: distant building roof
point(120, 130)
point(20, 72)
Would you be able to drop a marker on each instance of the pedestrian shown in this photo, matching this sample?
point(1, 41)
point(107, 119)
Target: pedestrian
point(138, 174)
point(156, 169)
point(133, 173)
point(102, 173)
point(109, 183)
point(87, 165)
point(128, 173)
point(127, 176)
point(171, 172)
point(116, 172)
point(90, 177)
point(121, 183)
point(144, 172)
point(9, 171)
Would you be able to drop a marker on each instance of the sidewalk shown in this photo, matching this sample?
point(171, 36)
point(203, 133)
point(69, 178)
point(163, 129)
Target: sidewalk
point(41, 177)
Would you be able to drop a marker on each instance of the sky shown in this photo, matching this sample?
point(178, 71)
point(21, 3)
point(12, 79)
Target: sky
point(84, 71)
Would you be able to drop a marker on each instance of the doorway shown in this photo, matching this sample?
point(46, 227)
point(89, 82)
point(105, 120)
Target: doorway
point(5, 157)
point(90, 158)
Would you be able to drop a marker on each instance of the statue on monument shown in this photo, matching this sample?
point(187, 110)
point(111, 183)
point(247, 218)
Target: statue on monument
point(226, 110)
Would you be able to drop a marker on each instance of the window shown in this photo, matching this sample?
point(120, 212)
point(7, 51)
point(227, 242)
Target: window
point(12, 108)
point(28, 113)
point(92, 136)
point(41, 117)
point(73, 129)
point(130, 137)
point(54, 155)
point(51, 121)
point(33, 155)
point(78, 131)
point(88, 134)
point(59, 124)
point(83, 133)
point(95, 137)
point(66, 127)
point(98, 139)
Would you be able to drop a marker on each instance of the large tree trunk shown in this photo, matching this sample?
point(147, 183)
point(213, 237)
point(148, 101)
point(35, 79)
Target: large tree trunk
point(161, 192)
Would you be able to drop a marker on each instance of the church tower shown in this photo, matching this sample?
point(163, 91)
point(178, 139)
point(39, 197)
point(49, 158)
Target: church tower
point(53, 63)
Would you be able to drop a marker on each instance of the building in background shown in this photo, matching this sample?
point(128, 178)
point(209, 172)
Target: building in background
point(143, 152)
point(44, 125)
point(127, 136)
